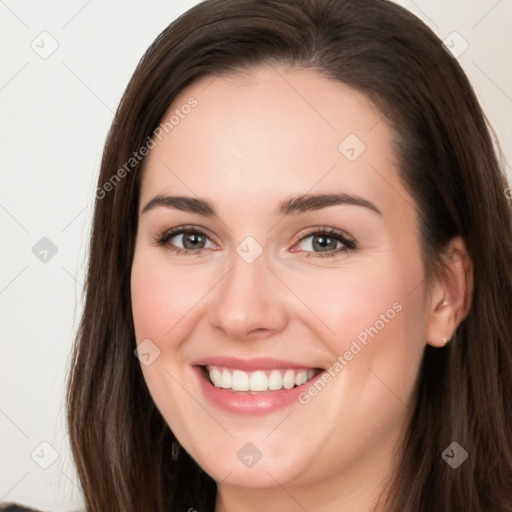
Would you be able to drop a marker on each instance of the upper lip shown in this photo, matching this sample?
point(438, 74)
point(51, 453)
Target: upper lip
point(257, 363)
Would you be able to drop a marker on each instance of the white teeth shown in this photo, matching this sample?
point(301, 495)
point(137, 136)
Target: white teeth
point(225, 381)
point(259, 380)
point(275, 381)
point(289, 379)
point(216, 377)
point(240, 381)
point(301, 378)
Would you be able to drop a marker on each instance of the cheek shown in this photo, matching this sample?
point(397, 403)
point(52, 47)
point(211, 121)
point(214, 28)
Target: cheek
point(160, 298)
point(149, 299)
point(374, 319)
point(349, 301)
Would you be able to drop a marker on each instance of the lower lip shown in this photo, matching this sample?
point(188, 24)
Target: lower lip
point(250, 402)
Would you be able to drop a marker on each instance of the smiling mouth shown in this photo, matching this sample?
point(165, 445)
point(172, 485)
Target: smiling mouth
point(258, 381)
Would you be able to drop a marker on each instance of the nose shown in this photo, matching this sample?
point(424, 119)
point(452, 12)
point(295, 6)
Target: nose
point(249, 303)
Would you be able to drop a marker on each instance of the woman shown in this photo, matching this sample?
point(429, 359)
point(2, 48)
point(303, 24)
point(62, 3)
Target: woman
point(302, 233)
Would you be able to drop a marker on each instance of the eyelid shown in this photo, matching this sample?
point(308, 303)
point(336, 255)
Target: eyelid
point(349, 242)
point(163, 236)
point(324, 229)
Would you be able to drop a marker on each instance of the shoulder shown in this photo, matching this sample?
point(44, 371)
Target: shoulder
point(16, 507)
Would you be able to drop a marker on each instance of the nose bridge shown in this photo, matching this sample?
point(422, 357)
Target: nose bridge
point(248, 297)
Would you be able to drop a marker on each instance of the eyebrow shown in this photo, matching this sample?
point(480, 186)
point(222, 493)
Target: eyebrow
point(291, 206)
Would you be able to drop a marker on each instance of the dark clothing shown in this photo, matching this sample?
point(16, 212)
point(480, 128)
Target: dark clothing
point(14, 507)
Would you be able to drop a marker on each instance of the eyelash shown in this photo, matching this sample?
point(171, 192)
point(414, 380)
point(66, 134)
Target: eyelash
point(350, 244)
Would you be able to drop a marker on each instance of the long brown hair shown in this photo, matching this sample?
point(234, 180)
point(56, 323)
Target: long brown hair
point(121, 444)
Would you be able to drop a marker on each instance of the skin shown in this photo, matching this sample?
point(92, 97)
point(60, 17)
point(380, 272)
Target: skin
point(277, 137)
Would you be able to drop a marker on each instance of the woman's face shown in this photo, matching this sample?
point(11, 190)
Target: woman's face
point(305, 263)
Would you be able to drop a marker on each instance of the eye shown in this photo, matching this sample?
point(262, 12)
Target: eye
point(325, 242)
point(185, 240)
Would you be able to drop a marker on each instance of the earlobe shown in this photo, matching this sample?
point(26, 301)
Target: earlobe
point(441, 321)
point(451, 294)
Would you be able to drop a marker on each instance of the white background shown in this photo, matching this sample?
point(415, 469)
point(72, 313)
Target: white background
point(55, 116)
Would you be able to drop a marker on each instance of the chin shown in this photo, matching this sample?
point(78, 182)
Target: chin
point(248, 460)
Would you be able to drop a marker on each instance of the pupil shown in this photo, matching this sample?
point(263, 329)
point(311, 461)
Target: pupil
point(323, 244)
point(192, 237)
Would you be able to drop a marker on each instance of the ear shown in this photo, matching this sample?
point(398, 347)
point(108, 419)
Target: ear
point(451, 294)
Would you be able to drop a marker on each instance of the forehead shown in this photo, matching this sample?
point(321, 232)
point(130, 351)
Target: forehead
point(273, 132)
